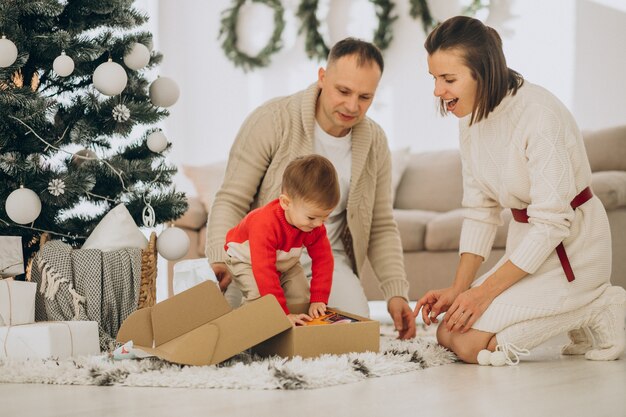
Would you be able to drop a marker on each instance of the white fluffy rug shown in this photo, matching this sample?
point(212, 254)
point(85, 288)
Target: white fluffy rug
point(241, 372)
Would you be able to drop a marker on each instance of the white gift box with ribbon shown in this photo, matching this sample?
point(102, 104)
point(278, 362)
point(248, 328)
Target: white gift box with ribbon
point(17, 302)
point(50, 339)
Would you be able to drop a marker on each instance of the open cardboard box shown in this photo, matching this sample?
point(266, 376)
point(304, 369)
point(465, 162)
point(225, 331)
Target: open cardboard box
point(198, 327)
point(312, 341)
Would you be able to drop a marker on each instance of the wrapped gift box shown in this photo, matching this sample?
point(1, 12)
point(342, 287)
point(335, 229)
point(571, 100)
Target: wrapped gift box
point(50, 339)
point(17, 302)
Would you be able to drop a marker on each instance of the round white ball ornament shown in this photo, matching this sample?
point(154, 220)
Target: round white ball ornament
point(157, 141)
point(23, 206)
point(8, 52)
point(110, 78)
point(173, 243)
point(138, 57)
point(164, 92)
point(63, 65)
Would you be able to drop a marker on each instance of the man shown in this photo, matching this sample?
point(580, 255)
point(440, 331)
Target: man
point(328, 118)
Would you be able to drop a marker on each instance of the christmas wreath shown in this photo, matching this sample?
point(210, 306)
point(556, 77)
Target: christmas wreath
point(228, 31)
point(314, 44)
point(419, 8)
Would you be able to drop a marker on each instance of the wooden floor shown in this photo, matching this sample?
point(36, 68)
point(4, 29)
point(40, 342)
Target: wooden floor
point(544, 384)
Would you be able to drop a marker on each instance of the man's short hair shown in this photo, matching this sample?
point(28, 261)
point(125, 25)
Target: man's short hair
point(365, 52)
point(313, 179)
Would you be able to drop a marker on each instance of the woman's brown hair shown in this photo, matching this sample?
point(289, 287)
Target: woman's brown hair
point(481, 48)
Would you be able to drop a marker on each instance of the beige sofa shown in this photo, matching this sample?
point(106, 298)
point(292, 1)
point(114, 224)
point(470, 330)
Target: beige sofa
point(429, 214)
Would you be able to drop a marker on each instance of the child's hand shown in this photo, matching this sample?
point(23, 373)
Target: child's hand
point(300, 319)
point(317, 309)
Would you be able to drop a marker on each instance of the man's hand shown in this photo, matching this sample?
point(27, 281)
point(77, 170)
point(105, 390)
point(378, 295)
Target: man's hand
point(223, 275)
point(402, 316)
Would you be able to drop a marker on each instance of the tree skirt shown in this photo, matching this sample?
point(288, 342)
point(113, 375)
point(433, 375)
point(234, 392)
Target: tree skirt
point(243, 371)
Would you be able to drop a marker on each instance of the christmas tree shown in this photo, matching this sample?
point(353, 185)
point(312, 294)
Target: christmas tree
point(78, 117)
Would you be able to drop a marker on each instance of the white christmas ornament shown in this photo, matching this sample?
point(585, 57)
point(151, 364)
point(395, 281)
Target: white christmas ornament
point(110, 78)
point(56, 187)
point(157, 141)
point(173, 243)
point(23, 205)
point(164, 92)
point(8, 52)
point(121, 113)
point(63, 65)
point(138, 57)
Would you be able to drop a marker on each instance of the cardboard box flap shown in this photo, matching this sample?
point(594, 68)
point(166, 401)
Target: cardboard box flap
point(137, 327)
point(194, 348)
point(249, 325)
point(187, 311)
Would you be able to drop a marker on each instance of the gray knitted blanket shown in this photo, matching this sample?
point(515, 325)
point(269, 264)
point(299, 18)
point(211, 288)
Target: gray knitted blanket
point(87, 284)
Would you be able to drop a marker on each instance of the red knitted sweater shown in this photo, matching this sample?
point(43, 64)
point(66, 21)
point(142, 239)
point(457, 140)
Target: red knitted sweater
point(264, 235)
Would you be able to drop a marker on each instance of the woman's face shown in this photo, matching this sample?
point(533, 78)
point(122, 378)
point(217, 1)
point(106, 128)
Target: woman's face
point(454, 83)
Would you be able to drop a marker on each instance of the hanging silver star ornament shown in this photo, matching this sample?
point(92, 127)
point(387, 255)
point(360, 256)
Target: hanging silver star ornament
point(56, 187)
point(121, 113)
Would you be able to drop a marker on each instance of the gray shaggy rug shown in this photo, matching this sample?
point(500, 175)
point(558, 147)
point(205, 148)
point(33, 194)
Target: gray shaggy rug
point(243, 371)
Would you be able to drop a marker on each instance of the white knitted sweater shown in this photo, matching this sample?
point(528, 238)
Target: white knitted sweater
point(529, 153)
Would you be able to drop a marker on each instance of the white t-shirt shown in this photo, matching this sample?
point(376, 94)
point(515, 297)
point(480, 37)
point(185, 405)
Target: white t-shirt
point(339, 152)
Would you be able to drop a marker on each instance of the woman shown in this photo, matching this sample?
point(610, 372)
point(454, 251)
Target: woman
point(521, 150)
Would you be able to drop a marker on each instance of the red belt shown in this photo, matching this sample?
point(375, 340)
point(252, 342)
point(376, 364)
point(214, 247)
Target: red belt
point(521, 216)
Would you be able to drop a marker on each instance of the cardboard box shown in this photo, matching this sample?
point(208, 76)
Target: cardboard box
point(17, 302)
point(50, 339)
point(198, 327)
point(313, 341)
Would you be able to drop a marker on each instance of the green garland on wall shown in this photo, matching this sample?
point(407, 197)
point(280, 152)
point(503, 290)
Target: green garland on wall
point(419, 9)
point(314, 43)
point(228, 31)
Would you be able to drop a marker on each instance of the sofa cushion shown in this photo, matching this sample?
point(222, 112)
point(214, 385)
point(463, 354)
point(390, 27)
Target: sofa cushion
point(399, 161)
point(610, 187)
point(432, 181)
point(207, 180)
point(443, 232)
point(606, 149)
point(195, 216)
point(412, 227)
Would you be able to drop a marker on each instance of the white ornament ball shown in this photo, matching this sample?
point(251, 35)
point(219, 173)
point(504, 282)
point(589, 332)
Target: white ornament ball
point(498, 358)
point(138, 57)
point(173, 243)
point(164, 92)
point(484, 357)
point(110, 78)
point(8, 52)
point(63, 65)
point(157, 141)
point(23, 206)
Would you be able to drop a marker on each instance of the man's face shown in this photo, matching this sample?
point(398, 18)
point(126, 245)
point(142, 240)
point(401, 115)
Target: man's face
point(347, 93)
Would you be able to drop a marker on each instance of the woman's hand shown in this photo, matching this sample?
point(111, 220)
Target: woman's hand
point(434, 303)
point(466, 309)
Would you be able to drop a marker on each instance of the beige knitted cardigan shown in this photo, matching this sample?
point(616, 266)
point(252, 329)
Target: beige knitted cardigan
point(282, 129)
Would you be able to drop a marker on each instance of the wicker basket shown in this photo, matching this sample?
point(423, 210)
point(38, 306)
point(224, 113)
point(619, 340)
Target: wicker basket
point(147, 289)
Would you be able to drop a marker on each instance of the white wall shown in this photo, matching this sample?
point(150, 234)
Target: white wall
point(544, 40)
